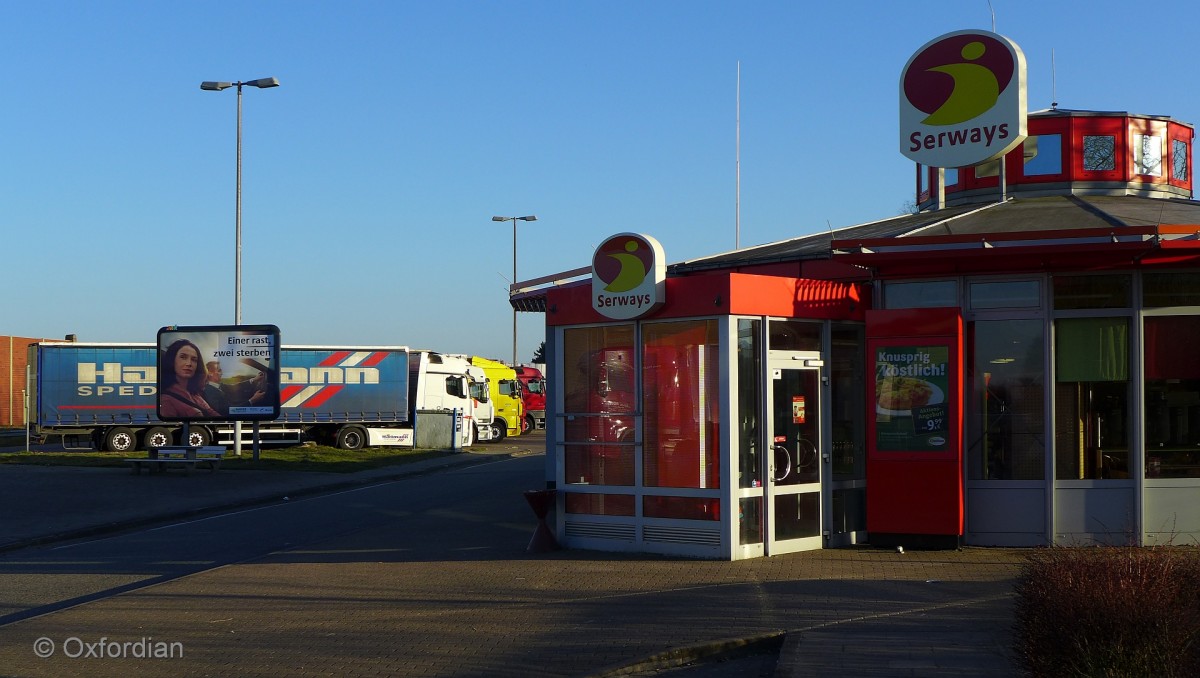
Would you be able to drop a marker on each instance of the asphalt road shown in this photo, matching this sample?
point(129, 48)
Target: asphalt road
point(484, 497)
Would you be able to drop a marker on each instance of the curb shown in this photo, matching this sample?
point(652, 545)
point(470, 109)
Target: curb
point(728, 648)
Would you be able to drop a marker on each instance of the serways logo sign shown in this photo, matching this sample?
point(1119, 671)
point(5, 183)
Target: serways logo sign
point(629, 273)
point(962, 100)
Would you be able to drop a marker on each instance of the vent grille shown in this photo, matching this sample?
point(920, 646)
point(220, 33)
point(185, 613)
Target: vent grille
point(600, 531)
point(676, 535)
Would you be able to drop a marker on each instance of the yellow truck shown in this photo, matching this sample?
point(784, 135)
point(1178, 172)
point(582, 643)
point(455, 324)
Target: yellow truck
point(506, 396)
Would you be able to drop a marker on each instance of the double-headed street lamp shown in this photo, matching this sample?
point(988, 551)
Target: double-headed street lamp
point(261, 83)
point(209, 86)
point(514, 221)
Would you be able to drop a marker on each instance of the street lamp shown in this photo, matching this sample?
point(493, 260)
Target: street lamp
point(210, 86)
point(514, 221)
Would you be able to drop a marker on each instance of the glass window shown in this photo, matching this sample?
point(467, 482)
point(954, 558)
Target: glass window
point(455, 386)
point(951, 176)
point(1017, 294)
point(991, 168)
point(927, 294)
point(1099, 153)
point(598, 388)
point(1170, 289)
point(1007, 423)
point(1147, 155)
point(749, 363)
point(1172, 391)
point(681, 404)
point(681, 508)
point(600, 504)
point(1179, 160)
point(847, 371)
point(1092, 291)
point(1043, 155)
point(794, 335)
point(1091, 416)
point(598, 369)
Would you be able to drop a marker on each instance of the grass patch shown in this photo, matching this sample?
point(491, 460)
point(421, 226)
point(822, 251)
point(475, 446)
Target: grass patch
point(1109, 611)
point(312, 458)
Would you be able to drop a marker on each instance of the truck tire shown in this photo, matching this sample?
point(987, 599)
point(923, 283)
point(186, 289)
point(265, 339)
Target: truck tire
point(198, 436)
point(120, 439)
point(501, 429)
point(157, 436)
point(530, 423)
point(352, 438)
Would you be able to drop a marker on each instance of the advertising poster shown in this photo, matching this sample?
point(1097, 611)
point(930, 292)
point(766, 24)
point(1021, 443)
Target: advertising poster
point(223, 373)
point(911, 404)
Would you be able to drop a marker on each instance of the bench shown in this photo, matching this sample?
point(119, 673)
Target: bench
point(186, 457)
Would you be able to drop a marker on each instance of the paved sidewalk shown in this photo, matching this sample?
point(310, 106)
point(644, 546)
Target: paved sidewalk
point(843, 612)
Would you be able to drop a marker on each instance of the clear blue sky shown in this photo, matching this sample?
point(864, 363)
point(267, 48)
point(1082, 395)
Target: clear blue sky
point(400, 128)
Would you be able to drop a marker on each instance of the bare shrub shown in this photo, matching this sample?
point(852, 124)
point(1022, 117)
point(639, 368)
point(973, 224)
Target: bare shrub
point(1109, 611)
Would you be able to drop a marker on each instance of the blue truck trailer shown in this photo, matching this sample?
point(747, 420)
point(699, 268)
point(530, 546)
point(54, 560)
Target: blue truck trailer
point(104, 396)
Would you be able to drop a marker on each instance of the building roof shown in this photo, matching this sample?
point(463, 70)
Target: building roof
point(1016, 215)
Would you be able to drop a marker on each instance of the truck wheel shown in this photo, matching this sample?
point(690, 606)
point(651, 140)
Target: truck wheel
point(501, 430)
point(198, 436)
point(120, 439)
point(157, 436)
point(352, 438)
point(530, 424)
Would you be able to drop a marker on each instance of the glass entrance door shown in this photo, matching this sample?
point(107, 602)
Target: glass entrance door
point(793, 473)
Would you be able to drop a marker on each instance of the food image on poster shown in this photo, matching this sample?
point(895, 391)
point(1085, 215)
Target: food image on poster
point(899, 395)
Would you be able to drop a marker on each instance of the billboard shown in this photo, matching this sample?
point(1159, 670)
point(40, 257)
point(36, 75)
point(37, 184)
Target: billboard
point(218, 373)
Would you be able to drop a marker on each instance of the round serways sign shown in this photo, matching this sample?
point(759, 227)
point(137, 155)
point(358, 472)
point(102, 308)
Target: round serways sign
point(629, 274)
point(962, 100)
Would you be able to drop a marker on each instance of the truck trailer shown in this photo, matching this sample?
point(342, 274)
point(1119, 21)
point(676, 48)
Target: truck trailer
point(105, 396)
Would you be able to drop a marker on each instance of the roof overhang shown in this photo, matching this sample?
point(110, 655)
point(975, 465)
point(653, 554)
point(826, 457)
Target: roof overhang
point(1081, 249)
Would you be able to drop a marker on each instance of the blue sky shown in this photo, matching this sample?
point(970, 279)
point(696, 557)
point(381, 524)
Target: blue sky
point(400, 128)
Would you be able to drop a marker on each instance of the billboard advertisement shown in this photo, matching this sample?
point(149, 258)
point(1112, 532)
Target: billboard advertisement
point(218, 373)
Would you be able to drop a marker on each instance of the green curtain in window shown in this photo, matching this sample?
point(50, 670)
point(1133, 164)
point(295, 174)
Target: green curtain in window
point(1092, 349)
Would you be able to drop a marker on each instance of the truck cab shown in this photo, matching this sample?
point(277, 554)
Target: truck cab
point(506, 396)
point(485, 413)
point(441, 382)
point(533, 396)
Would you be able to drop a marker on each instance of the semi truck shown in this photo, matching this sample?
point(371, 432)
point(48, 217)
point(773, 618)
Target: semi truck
point(506, 396)
point(533, 396)
point(105, 396)
point(441, 382)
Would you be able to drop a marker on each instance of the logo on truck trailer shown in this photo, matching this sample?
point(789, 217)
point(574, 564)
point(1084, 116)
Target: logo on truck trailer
point(116, 378)
point(301, 385)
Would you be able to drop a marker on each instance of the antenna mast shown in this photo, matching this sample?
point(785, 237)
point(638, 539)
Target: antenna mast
point(1053, 82)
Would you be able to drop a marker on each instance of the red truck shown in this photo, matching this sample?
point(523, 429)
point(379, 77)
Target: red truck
point(533, 396)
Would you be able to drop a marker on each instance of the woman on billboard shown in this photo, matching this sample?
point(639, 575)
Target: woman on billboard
point(182, 378)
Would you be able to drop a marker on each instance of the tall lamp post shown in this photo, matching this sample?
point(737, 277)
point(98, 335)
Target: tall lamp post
point(261, 83)
point(210, 86)
point(514, 221)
